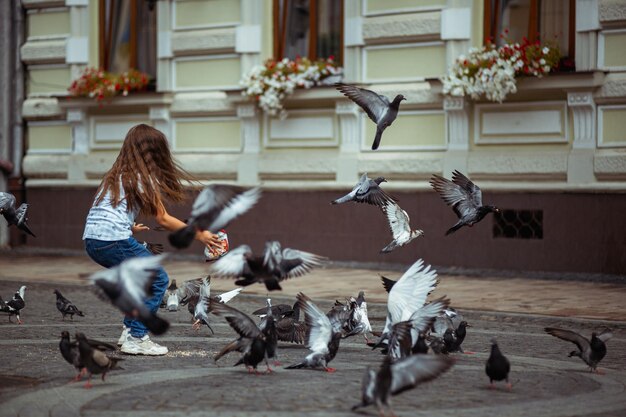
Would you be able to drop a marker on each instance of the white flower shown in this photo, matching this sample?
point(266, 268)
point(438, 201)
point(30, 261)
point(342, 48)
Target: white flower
point(545, 50)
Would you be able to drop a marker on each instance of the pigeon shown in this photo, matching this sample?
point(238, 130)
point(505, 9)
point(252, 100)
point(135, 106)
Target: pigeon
point(290, 329)
point(268, 328)
point(275, 265)
point(498, 366)
point(453, 338)
point(252, 341)
point(420, 346)
point(214, 208)
point(154, 248)
point(465, 198)
point(378, 108)
point(96, 361)
point(127, 284)
point(324, 335)
point(15, 305)
point(368, 191)
point(66, 307)
point(69, 351)
point(359, 321)
point(278, 310)
point(590, 351)
point(175, 296)
point(199, 304)
point(399, 345)
point(399, 226)
point(394, 378)
point(12, 215)
point(448, 319)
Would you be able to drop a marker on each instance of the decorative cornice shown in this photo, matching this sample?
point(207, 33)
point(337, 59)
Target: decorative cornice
point(584, 114)
point(43, 52)
point(402, 28)
point(41, 109)
point(195, 42)
point(612, 11)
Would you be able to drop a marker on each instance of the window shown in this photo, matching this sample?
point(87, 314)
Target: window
point(128, 35)
point(308, 28)
point(549, 20)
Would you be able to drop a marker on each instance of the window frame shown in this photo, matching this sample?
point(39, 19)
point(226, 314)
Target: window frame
point(278, 47)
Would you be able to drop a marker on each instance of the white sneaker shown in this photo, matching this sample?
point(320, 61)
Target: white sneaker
point(143, 346)
point(124, 336)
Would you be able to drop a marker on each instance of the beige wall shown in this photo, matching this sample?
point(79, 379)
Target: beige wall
point(405, 62)
point(208, 73)
point(209, 135)
point(615, 49)
point(46, 80)
point(206, 13)
point(49, 137)
point(48, 23)
point(411, 130)
point(380, 6)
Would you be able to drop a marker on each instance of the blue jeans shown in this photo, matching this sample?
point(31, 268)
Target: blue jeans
point(112, 253)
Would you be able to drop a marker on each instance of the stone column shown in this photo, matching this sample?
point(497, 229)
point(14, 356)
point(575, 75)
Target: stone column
point(350, 128)
point(353, 40)
point(587, 27)
point(77, 46)
point(248, 170)
point(580, 160)
point(164, 46)
point(457, 121)
point(248, 34)
point(160, 118)
point(77, 119)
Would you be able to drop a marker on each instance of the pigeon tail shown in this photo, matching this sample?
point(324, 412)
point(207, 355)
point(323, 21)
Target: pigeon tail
point(296, 366)
point(156, 324)
point(343, 199)
point(454, 228)
point(272, 284)
point(379, 135)
point(389, 247)
point(182, 238)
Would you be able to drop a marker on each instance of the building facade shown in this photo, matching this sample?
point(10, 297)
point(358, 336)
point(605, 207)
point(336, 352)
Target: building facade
point(552, 156)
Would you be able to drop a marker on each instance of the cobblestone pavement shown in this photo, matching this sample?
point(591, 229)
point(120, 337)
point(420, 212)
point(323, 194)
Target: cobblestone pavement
point(34, 379)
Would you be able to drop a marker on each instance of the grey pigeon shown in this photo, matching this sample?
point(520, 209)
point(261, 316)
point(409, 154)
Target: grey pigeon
point(268, 328)
point(324, 335)
point(252, 342)
point(15, 304)
point(96, 361)
point(199, 304)
point(453, 338)
point(394, 378)
point(368, 191)
point(214, 208)
point(378, 108)
point(465, 198)
point(590, 351)
point(12, 215)
point(70, 352)
point(498, 366)
point(275, 265)
point(359, 321)
point(399, 226)
point(127, 285)
point(66, 307)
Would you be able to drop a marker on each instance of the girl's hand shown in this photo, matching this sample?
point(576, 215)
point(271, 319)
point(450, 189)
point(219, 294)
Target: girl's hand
point(212, 241)
point(138, 227)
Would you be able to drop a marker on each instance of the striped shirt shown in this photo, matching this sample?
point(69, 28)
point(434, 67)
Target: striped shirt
point(105, 222)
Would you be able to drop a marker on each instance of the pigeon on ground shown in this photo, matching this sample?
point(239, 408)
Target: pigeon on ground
point(278, 310)
point(127, 285)
point(399, 344)
point(465, 198)
point(448, 319)
point(12, 215)
point(399, 226)
point(378, 108)
point(199, 304)
point(252, 342)
point(275, 265)
point(214, 208)
point(268, 328)
point(66, 307)
point(420, 346)
point(176, 296)
point(290, 329)
point(358, 322)
point(498, 366)
point(70, 352)
point(368, 191)
point(324, 334)
point(590, 351)
point(15, 305)
point(453, 338)
point(394, 378)
point(96, 361)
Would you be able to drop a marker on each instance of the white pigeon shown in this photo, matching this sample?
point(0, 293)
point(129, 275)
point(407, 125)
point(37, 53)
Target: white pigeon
point(14, 305)
point(400, 227)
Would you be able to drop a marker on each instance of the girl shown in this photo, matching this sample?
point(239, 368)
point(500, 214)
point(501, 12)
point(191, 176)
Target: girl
point(143, 176)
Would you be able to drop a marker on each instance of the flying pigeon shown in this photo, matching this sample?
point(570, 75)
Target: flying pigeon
point(394, 378)
point(290, 329)
point(66, 307)
point(420, 346)
point(278, 310)
point(324, 334)
point(498, 366)
point(154, 248)
point(15, 305)
point(214, 208)
point(275, 265)
point(96, 361)
point(358, 322)
point(252, 342)
point(465, 198)
point(399, 344)
point(199, 304)
point(127, 285)
point(590, 351)
point(378, 108)
point(175, 295)
point(368, 191)
point(12, 215)
point(399, 226)
point(69, 351)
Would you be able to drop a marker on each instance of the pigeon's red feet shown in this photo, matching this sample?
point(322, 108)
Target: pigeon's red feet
point(599, 371)
point(509, 387)
point(250, 370)
point(277, 363)
point(469, 352)
point(269, 370)
point(88, 385)
point(330, 370)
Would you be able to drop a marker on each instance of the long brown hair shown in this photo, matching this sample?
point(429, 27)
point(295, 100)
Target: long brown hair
point(147, 172)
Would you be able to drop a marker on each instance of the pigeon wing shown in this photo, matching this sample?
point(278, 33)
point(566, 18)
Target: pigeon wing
point(374, 195)
point(368, 387)
point(473, 191)
point(580, 341)
point(217, 205)
point(605, 335)
point(410, 291)
point(416, 369)
point(423, 318)
point(454, 195)
point(319, 327)
point(398, 220)
point(136, 275)
point(372, 103)
point(234, 264)
point(188, 289)
point(7, 201)
point(227, 296)
point(295, 263)
point(291, 331)
point(387, 283)
point(239, 321)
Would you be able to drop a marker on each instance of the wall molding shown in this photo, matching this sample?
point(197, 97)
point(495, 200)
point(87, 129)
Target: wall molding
point(601, 110)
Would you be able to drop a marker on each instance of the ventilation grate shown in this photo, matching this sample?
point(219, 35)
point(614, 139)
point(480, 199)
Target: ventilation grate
point(518, 224)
